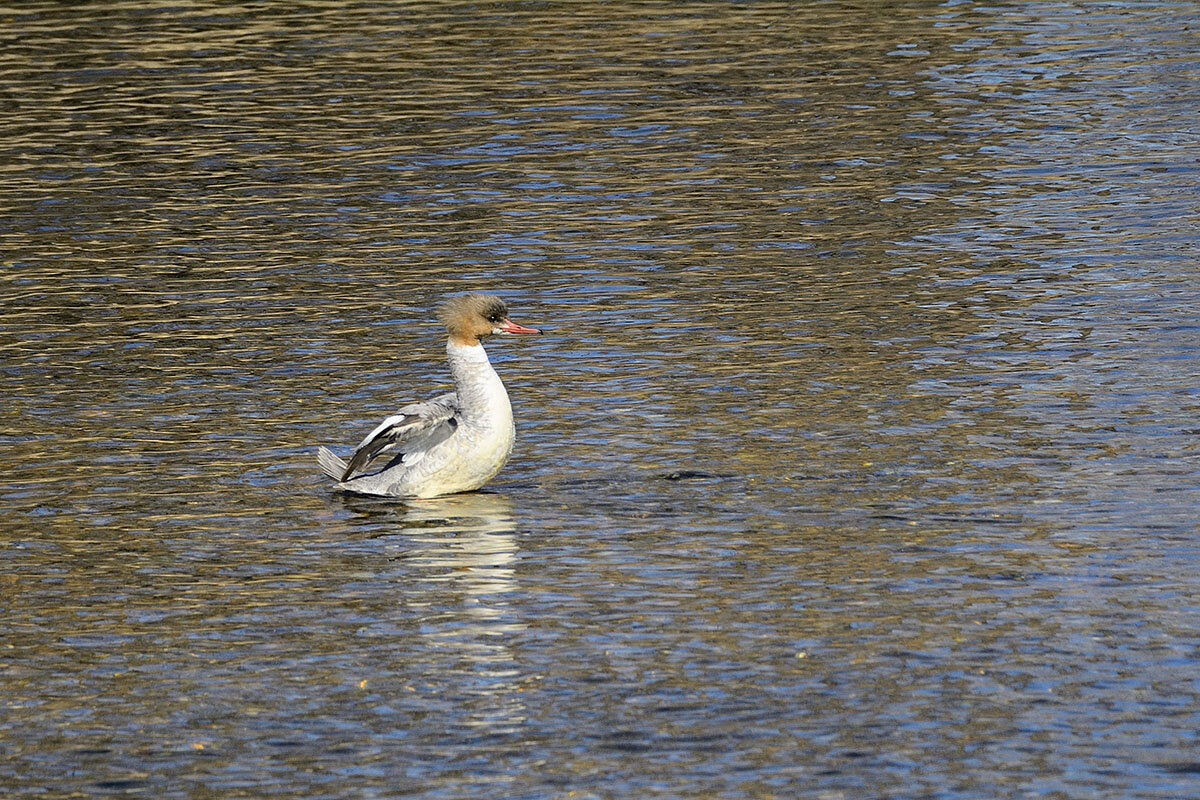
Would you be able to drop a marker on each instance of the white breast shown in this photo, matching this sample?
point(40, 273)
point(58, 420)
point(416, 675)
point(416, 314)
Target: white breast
point(483, 440)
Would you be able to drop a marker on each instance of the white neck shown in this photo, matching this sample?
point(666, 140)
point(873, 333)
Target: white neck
point(465, 354)
point(482, 399)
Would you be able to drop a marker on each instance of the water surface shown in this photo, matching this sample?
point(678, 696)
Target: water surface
point(860, 461)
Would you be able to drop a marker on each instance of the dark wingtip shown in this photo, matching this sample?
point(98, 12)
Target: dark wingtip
point(360, 457)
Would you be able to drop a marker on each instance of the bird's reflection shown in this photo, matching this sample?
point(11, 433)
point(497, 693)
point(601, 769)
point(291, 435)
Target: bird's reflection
point(470, 536)
point(462, 549)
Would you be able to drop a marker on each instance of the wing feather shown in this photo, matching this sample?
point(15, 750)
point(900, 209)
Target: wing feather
point(416, 426)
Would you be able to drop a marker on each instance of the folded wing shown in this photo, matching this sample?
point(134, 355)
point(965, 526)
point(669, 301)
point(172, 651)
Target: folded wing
point(413, 429)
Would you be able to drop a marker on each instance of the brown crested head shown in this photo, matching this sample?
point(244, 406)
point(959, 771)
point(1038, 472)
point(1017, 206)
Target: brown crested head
point(471, 317)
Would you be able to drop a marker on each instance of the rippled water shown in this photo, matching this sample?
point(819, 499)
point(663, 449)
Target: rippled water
point(861, 460)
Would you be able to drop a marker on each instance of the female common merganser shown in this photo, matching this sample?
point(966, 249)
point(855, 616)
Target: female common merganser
point(453, 443)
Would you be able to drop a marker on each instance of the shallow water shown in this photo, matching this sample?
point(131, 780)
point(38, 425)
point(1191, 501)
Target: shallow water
point(860, 460)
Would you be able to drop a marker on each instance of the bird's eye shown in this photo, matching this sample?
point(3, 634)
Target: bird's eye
point(494, 318)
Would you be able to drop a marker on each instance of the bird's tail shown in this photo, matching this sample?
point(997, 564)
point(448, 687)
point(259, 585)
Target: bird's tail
point(331, 465)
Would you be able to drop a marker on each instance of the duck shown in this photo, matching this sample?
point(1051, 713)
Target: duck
point(452, 443)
